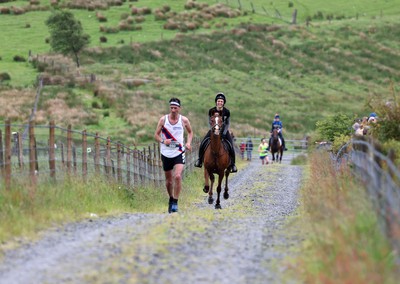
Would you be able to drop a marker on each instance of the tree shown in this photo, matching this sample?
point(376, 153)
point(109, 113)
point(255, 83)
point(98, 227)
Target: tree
point(334, 126)
point(66, 34)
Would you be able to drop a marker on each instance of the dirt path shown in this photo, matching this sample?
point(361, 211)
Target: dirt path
point(245, 242)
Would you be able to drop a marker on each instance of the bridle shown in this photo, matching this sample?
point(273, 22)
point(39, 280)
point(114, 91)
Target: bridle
point(216, 128)
point(275, 136)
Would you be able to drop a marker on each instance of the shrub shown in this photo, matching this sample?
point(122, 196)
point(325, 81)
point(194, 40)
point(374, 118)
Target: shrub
point(334, 126)
point(103, 39)
point(339, 142)
point(95, 105)
point(124, 16)
point(392, 149)
point(5, 77)
point(19, 58)
point(388, 125)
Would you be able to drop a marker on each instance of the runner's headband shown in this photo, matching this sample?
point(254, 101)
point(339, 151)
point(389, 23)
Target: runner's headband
point(174, 104)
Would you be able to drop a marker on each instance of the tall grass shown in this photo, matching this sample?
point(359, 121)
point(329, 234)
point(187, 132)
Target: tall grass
point(24, 211)
point(344, 244)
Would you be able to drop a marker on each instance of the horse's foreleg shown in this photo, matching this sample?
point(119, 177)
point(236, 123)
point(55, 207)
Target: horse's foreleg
point(218, 203)
point(226, 194)
point(206, 181)
point(210, 193)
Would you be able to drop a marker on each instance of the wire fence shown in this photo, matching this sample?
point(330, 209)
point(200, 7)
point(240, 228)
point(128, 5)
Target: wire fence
point(54, 153)
point(382, 181)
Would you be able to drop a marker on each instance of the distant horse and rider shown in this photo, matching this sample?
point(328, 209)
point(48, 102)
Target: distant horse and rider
point(276, 141)
point(276, 146)
point(216, 161)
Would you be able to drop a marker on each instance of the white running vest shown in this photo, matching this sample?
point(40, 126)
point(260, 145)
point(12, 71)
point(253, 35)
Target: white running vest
point(174, 132)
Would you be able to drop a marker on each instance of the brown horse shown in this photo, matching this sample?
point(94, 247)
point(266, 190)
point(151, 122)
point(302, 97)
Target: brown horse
point(216, 161)
point(276, 146)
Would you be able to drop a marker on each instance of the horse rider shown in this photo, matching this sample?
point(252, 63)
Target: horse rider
point(220, 102)
point(277, 124)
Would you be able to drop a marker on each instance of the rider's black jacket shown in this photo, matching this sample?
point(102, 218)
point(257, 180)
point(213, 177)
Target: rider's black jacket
point(225, 114)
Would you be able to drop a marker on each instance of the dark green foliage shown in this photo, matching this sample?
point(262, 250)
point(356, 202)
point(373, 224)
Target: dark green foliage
point(334, 126)
point(388, 124)
point(66, 34)
point(19, 58)
point(40, 66)
point(5, 77)
point(95, 105)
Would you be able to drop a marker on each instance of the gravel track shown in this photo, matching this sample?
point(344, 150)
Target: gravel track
point(247, 241)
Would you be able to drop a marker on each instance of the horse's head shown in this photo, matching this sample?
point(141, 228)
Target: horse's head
point(216, 124)
point(275, 133)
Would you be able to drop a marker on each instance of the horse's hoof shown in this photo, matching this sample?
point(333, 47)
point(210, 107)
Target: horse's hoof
point(226, 195)
point(218, 206)
point(206, 189)
point(210, 200)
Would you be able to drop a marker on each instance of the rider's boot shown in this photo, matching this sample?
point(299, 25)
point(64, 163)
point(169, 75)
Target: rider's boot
point(233, 168)
point(269, 145)
point(283, 145)
point(233, 158)
point(199, 161)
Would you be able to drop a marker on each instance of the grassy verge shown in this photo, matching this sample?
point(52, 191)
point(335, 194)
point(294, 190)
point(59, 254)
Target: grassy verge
point(23, 212)
point(345, 244)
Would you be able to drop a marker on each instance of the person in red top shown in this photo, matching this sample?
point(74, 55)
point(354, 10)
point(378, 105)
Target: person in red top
point(242, 149)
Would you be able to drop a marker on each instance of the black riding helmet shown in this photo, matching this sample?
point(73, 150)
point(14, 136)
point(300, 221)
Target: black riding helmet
point(220, 96)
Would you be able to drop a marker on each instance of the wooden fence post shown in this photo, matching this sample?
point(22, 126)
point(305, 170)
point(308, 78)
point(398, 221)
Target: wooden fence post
point(69, 150)
point(52, 155)
point(149, 173)
point(97, 154)
point(294, 17)
point(128, 167)
point(84, 155)
point(159, 164)
point(105, 166)
point(7, 161)
point(32, 156)
point(119, 154)
point(36, 158)
point(1, 153)
point(155, 164)
point(20, 152)
point(135, 167)
point(62, 155)
point(74, 159)
point(108, 157)
point(113, 169)
point(143, 167)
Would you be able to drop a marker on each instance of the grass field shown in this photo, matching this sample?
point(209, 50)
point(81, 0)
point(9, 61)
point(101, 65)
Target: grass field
point(305, 73)
point(18, 39)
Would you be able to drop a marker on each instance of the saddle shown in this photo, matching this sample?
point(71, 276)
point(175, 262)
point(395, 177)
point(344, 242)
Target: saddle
point(227, 145)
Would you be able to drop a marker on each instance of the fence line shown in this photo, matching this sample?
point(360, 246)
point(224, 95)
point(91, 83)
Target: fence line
point(54, 153)
point(382, 180)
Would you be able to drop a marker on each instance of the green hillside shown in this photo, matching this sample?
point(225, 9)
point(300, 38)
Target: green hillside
point(346, 54)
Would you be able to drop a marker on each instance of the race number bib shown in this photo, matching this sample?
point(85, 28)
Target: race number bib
point(173, 144)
